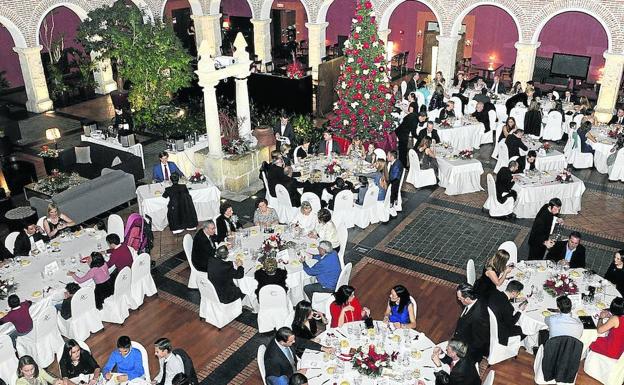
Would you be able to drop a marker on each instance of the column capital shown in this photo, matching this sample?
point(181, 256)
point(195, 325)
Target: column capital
point(448, 39)
point(260, 21)
point(207, 17)
point(522, 45)
point(28, 50)
point(316, 25)
point(616, 57)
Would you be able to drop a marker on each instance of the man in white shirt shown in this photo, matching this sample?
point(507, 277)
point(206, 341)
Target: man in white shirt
point(328, 145)
point(563, 324)
point(497, 87)
point(283, 130)
point(162, 171)
point(170, 364)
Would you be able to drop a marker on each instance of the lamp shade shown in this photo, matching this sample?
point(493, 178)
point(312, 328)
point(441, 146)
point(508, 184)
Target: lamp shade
point(53, 134)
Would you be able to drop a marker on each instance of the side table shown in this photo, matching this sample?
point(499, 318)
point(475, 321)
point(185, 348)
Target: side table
point(16, 217)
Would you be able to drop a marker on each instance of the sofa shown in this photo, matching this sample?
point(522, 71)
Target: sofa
point(94, 197)
point(101, 157)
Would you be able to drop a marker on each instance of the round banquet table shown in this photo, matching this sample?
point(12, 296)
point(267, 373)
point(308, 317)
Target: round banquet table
point(458, 176)
point(536, 190)
point(464, 135)
point(45, 289)
point(534, 274)
point(552, 160)
point(414, 355)
point(312, 168)
point(602, 148)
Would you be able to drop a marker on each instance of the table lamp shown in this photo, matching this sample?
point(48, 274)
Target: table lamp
point(53, 134)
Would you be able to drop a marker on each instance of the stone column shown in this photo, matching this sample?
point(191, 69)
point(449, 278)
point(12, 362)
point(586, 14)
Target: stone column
point(316, 45)
point(262, 39)
point(383, 36)
point(242, 108)
point(447, 54)
point(211, 111)
point(103, 75)
point(34, 79)
point(208, 28)
point(525, 61)
point(609, 86)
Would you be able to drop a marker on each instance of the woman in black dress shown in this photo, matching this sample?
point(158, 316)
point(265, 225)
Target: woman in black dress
point(305, 322)
point(270, 274)
point(533, 120)
point(76, 361)
point(227, 222)
point(615, 272)
point(181, 212)
point(437, 99)
point(494, 274)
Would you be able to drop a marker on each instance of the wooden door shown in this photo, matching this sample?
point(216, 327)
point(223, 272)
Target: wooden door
point(428, 42)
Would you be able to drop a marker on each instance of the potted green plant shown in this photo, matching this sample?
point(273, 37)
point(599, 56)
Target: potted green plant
point(262, 120)
point(305, 130)
point(58, 88)
point(86, 82)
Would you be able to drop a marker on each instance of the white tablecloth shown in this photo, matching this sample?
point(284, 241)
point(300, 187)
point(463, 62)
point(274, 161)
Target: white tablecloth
point(185, 160)
point(534, 274)
point(602, 149)
point(30, 277)
point(206, 198)
point(459, 176)
point(463, 137)
point(551, 161)
point(137, 149)
point(534, 192)
point(413, 355)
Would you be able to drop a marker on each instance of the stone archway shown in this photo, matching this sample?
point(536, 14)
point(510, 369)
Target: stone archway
point(436, 8)
point(466, 6)
point(196, 8)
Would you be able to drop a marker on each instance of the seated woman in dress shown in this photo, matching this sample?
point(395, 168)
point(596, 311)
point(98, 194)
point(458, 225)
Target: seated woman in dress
point(437, 99)
point(29, 373)
point(305, 219)
point(494, 274)
point(380, 177)
point(508, 128)
point(370, 153)
point(615, 272)
point(516, 89)
point(356, 148)
point(611, 321)
point(270, 274)
point(76, 361)
point(427, 155)
point(181, 212)
point(533, 119)
point(305, 322)
point(301, 152)
point(98, 271)
point(346, 307)
point(400, 310)
point(325, 230)
point(56, 221)
point(584, 135)
point(226, 223)
point(265, 215)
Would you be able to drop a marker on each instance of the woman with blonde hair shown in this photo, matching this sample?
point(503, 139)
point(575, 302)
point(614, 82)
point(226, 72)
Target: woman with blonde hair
point(380, 177)
point(494, 274)
point(533, 119)
point(427, 155)
point(56, 221)
point(29, 373)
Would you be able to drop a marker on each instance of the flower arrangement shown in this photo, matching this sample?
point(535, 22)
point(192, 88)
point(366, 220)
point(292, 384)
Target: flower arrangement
point(235, 146)
point(371, 363)
point(445, 123)
point(547, 146)
point(564, 177)
point(47, 152)
point(333, 168)
point(612, 133)
point(197, 177)
point(465, 154)
point(559, 285)
point(295, 70)
point(272, 243)
point(7, 286)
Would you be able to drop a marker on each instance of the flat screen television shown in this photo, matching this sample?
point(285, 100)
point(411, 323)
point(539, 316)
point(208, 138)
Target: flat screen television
point(573, 66)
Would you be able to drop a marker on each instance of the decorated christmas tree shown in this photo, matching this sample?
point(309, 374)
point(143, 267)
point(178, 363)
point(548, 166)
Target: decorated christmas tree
point(364, 97)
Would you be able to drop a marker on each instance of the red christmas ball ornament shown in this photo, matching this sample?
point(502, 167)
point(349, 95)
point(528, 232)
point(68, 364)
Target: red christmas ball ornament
point(366, 45)
point(361, 111)
point(358, 86)
point(368, 5)
point(364, 66)
point(374, 109)
point(359, 18)
point(356, 35)
point(348, 69)
point(359, 60)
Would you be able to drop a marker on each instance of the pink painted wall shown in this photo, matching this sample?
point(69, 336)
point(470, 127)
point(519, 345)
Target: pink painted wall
point(300, 15)
point(66, 24)
point(575, 33)
point(9, 60)
point(235, 8)
point(172, 5)
point(404, 25)
point(495, 34)
point(339, 17)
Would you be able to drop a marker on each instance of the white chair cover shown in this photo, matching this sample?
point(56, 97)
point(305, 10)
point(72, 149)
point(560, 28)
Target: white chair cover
point(457, 107)
point(187, 245)
point(343, 237)
point(489, 379)
point(313, 199)
point(471, 106)
point(383, 208)
point(501, 112)
point(142, 281)
point(417, 177)
point(492, 204)
point(537, 369)
point(144, 358)
point(434, 114)
point(116, 307)
point(403, 88)
point(343, 209)
point(398, 206)
point(503, 156)
point(379, 153)
point(285, 210)
point(471, 274)
point(319, 300)
point(327, 312)
point(290, 318)
point(295, 159)
point(40, 223)
point(420, 98)
point(567, 149)
point(115, 225)
point(616, 171)
point(42, 341)
point(216, 313)
point(487, 136)
point(581, 159)
point(498, 352)
point(9, 241)
point(8, 359)
point(85, 317)
point(260, 359)
point(511, 248)
point(554, 124)
point(367, 213)
point(270, 198)
point(578, 119)
point(274, 308)
point(608, 371)
point(518, 114)
point(415, 305)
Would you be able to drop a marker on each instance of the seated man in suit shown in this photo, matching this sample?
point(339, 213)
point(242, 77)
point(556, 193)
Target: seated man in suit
point(506, 317)
point(163, 170)
point(274, 171)
point(447, 112)
point(326, 270)
point(570, 252)
point(328, 144)
point(430, 132)
point(204, 246)
point(25, 241)
point(473, 323)
point(222, 274)
point(395, 172)
point(569, 97)
point(338, 186)
point(618, 118)
point(505, 181)
point(514, 143)
point(482, 116)
point(527, 162)
point(292, 185)
point(497, 87)
point(463, 370)
point(284, 130)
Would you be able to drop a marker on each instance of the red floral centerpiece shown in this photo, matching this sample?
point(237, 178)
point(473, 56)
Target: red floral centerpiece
point(197, 177)
point(564, 177)
point(612, 133)
point(295, 70)
point(445, 123)
point(559, 285)
point(547, 146)
point(371, 363)
point(47, 152)
point(274, 242)
point(333, 168)
point(465, 154)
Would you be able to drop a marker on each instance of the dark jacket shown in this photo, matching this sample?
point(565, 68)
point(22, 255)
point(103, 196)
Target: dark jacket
point(408, 126)
point(500, 89)
point(423, 134)
point(86, 365)
point(505, 315)
point(181, 212)
point(222, 275)
point(203, 250)
point(522, 165)
point(292, 185)
point(474, 329)
point(65, 311)
point(504, 183)
point(222, 227)
point(275, 362)
point(483, 117)
point(22, 243)
point(264, 279)
point(615, 120)
point(540, 231)
point(445, 114)
point(335, 147)
point(522, 97)
point(562, 358)
point(463, 373)
point(275, 175)
point(514, 144)
point(437, 101)
point(289, 132)
point(558, 251)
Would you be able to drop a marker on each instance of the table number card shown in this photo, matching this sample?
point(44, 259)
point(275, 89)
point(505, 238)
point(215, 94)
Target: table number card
point(51, 268)
point(40, 245)
point(575, 298)
point(282, 255)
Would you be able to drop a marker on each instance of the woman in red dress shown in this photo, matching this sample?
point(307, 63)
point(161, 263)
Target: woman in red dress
point(346, 307)
point(612, 321)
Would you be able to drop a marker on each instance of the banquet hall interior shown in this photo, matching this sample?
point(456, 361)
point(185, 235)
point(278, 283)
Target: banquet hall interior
point(226, 143)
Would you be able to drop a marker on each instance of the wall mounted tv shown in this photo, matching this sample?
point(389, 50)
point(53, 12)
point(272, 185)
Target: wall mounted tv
point(573, 66)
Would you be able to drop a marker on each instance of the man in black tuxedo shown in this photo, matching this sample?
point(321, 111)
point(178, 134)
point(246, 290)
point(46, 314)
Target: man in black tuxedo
point(497, 87)
point(408, 126)
point(505, 181)
point(328, 144)
point(292, 185)
point(569, 252)
point(463, 370)
point(473, 323)
point(543, 226)
point(569, 97)
point(447, 112)
point(618, 118)
point(527, 162)
point(26, 239)
point(274, 171)
point(283, 129)
point(204, 246)
point(506, 316)
point(222, 274)
point(482, 116)
point(514, 143)
point(430, 132)
point(411, 85)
